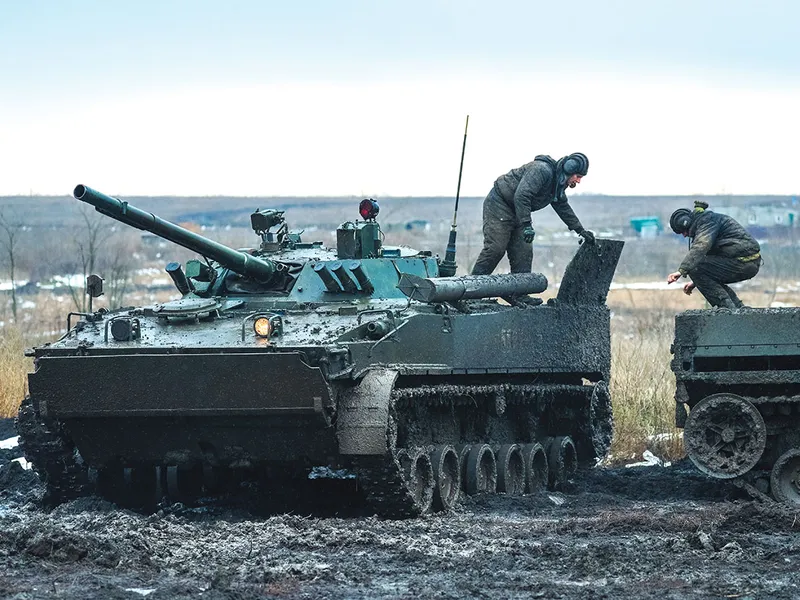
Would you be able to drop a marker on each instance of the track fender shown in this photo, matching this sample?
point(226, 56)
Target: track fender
point(363, 415)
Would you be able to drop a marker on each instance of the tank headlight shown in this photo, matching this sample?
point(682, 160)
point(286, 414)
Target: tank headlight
point(262, 327)
point(265, 325)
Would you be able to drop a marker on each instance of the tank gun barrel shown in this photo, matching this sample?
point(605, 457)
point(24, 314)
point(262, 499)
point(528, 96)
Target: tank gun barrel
point(239, 262)
point(467, 287)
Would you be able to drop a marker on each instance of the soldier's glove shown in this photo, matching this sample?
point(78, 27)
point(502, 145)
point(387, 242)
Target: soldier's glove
point(587, 236)
point(528, 234)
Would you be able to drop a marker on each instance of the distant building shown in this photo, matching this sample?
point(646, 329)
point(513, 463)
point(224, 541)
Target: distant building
point(647, 227)
point(763, 220)
point(151, 240)
point(418, 224)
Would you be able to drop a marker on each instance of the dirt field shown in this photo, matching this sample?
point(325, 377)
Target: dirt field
point(644, 532)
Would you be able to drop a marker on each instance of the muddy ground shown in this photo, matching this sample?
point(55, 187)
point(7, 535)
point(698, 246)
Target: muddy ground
point(642, 532)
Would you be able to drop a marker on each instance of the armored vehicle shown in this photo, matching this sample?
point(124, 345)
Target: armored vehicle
point(738, 396)
point(291, 359)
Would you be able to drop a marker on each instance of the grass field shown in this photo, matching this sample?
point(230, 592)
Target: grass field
point(642, 384)
point(14, 368)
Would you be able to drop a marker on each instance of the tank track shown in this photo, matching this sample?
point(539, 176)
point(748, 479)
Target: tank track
point(387, 493)
point(594, 435)
point(441, 394)
point(53, 457)
point(383, 477)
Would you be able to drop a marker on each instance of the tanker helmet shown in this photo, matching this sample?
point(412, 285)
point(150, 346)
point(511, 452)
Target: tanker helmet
point(681, 220)
point(576, 164)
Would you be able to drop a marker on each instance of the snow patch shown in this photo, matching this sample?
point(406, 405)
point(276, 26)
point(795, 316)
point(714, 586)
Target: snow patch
point(23, 463)
point(649, 460)
point(141, 591)
point(5, 286)
point(11, 442)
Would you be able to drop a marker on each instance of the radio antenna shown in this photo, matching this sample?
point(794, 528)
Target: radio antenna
point(448, 266)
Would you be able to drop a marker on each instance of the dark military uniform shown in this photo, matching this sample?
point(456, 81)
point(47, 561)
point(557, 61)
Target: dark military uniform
point(722, 252)
point(507, 211)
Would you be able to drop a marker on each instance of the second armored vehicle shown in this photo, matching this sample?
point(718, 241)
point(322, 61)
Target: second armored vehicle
point(738, 396)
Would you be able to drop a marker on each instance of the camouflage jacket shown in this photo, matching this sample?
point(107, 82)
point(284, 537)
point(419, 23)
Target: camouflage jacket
point(533, 186)
point(716, 234)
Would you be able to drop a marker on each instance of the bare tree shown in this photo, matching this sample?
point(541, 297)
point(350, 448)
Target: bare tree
point(117, 266)
point(90, 239)
point(9, 241)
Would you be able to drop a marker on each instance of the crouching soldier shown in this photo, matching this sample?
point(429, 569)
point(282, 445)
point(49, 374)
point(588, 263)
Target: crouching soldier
point(721, 252)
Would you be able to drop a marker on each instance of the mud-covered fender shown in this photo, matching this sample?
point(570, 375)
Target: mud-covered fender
point(362, 425)
point(588, 275)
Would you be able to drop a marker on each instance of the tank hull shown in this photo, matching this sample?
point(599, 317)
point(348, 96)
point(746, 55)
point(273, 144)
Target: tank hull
point(285, 393)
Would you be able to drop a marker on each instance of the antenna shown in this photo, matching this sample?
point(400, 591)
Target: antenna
point(448, 266)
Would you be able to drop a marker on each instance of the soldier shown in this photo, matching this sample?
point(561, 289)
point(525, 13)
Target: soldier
point(721, 252)
point(508, 207)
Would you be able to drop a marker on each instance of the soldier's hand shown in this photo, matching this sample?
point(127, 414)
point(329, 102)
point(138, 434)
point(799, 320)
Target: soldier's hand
point(588, 236)
point(528, 234)
point(688, 288)
point(673, 277)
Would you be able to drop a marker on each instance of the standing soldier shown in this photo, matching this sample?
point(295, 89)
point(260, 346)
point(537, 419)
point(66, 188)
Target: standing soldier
point(721, 252)
point(507, 209)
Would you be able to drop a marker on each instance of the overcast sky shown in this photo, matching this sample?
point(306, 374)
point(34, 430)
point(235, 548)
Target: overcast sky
point(369, 98)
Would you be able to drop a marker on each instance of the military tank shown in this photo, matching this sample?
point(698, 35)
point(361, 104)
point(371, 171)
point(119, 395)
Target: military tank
point(281, 360)
point(738, 396)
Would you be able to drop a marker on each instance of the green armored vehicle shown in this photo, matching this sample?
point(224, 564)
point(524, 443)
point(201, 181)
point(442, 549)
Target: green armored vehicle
point(282, 360)
point(738, 396)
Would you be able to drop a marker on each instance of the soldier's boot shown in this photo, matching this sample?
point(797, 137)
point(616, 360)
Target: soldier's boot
point(734, 298)
point(726, 303)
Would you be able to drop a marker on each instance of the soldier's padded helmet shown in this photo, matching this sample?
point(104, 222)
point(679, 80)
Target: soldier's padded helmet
point(576, 164)
point(681, 220)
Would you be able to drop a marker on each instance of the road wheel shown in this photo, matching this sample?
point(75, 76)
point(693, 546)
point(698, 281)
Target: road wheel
point(536, 469)
point(724, 435)
point(785, 479)
point(418, 477)
point(562, 461)
point(446, 472)
point(510, 470)
point(481, 470)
